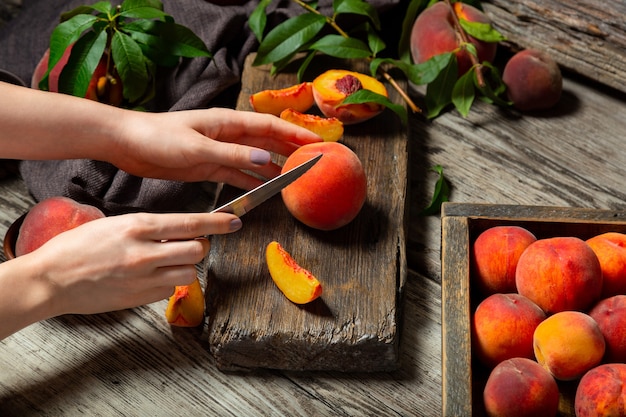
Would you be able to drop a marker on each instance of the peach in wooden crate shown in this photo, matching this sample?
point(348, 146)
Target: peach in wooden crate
point(332, 87)
point(328, 128)
point(298, 97)
point(299, 285)
point(185, 308)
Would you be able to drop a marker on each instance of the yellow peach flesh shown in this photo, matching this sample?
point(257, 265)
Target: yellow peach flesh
point(298, 97)
point(185, 307)
point(330, 129)
point(296, 283)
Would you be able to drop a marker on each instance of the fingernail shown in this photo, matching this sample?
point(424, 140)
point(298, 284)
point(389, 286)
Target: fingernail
point(235, 224)
point(260, 157)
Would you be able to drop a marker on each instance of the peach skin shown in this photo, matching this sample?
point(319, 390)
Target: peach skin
point(503, 326)
point(494, 257)
point(601, 392)
point(520, 387)
point(610, 248)
point(297, 284)
point(185, 308)
point(610, 314)
point(559, 273)
point(568, 344)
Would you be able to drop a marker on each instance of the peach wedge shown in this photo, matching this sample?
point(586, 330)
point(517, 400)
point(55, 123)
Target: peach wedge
point(298, 97)
point(295, 282)
point(185, 307)
point(330, 129)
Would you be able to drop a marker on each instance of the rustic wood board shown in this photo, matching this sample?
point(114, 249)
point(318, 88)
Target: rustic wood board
point(587, 38)
point(362, 266)
point(463, 379)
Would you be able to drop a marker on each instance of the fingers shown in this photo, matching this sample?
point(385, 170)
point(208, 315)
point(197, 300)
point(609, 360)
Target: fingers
point(183, 226)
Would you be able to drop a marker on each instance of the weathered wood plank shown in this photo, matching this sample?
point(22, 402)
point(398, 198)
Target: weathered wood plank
point(362, 265)
point(588, 38)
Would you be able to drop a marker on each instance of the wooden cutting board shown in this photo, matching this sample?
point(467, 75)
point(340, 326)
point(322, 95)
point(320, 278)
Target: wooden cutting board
point(362, 266)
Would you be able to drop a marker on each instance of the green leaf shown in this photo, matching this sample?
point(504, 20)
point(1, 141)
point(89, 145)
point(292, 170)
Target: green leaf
point(101, 7)
point(439, 91)
point(85, 57)
point(375, 42)
point(463, 93)
point(258, 19)
point(340, 47)
point(288, 37)
point(367, 96)
point(404, 45)
point(131, 66)
point(138, 4)
point(143, 9)
point(165, 38)
point(482, 31)
point(62, 37)
point(357, 7)
point(494, 87)
point(305, 64)
point(441, 194)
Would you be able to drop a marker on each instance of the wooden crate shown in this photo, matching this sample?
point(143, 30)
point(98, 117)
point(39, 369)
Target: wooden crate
point(462, 379)
point(362, 266)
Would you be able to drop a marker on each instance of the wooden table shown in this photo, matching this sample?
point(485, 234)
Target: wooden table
point(133, 363)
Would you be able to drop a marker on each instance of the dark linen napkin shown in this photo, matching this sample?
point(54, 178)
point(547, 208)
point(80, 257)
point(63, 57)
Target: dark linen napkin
point(195, 83)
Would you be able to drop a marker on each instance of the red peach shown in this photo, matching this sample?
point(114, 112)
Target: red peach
point(50, 217)
point(434, 33)
point(601, 392)
point(610, 248)
point(494, 257)
point(568, 344)
point(331, 193)
point(520, 387)
point(610, 314)
point(533, 80)
point(559, 273)
point(503, 326)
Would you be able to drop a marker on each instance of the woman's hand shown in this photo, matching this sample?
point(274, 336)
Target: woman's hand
point(107, 264)
point(206, 145)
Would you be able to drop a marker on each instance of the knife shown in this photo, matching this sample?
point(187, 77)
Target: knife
point(243, 204)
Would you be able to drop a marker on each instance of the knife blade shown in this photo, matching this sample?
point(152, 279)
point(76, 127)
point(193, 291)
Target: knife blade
point(246, 202)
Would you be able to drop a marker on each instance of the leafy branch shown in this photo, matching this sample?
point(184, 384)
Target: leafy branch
point(133, 39)
point(303, 34)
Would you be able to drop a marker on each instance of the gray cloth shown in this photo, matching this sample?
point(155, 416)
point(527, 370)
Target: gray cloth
point(195, 83)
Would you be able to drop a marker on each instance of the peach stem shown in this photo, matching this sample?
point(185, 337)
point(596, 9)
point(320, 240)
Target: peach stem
point(385, 74)
point(474, 59)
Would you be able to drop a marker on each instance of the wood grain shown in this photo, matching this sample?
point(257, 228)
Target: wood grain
point(587, 38)
point(362, 266)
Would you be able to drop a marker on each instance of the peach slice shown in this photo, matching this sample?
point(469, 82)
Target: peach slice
point(298, 284)
point(331, 88)
point(185, 307)
point(298, 97)
point(330, 129)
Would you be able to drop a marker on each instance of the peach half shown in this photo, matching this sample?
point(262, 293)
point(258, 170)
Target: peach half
point(330, 129)
point(296, 283)
point(298, 97)
point(185, 308)
point(332, 87)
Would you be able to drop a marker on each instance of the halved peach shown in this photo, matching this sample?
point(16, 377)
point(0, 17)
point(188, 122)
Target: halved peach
point(298, 97)
point(185, 307)
point(298, 284)
point(331, 88)
point(330, 129)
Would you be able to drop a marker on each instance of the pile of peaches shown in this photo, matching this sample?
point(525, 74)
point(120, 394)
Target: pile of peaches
point(554, 309)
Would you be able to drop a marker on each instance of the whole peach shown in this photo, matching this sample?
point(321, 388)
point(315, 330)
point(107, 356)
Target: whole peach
point(503, 326)
point(601, 392)
point(610, 314)
point(50, 217)
point(568, 344)
point(610, 248)
point(434, 33)
point(494, 257)
point(332, 192)
point(559, 273)
point(533, 80)
point(103, 87)
point(520, 387)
